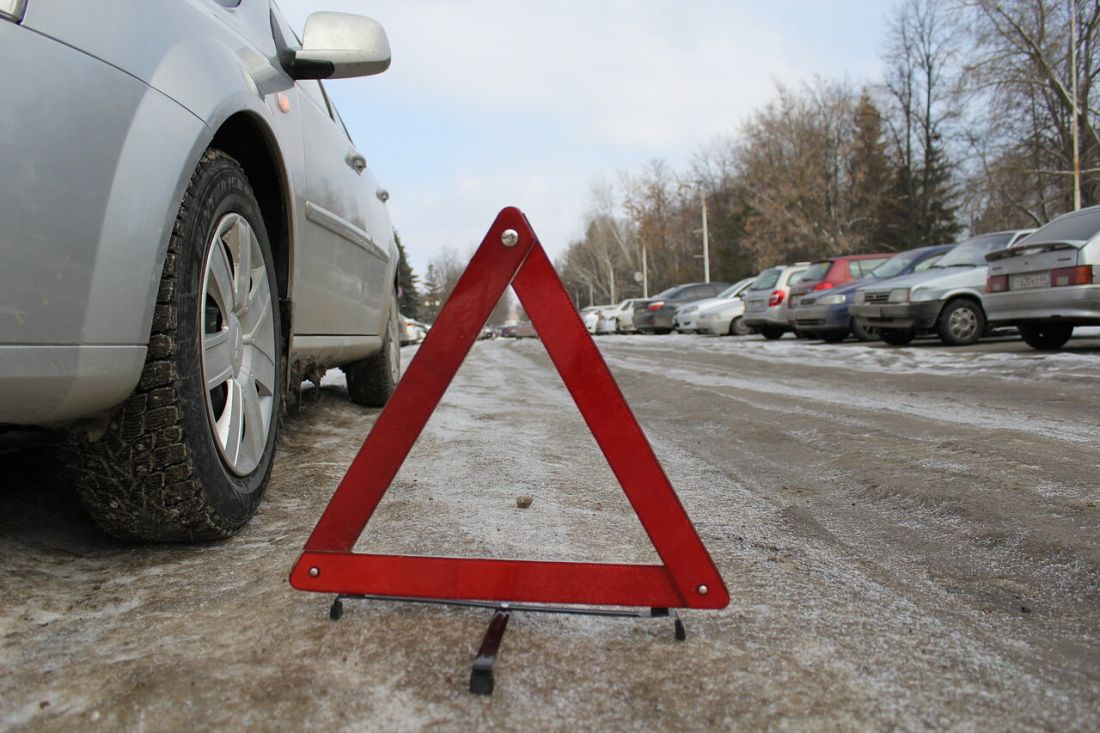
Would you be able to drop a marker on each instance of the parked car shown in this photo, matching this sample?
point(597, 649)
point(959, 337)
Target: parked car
point(174, 178)
point(825, 315)
point(526, 330)
point(618, 318)
point(591, 316)
point(686, 319)
point(508, 329)
point(830, 273)
point(945, 299)
point(655, 314)
point(766, 299)
point(1048, 283)
point(411, 330)
point(726, 316)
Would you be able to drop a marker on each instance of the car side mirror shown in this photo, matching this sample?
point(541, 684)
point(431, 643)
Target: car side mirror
point(341, 45)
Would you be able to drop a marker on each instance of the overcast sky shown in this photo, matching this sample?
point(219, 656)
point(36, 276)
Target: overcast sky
point(493, 103)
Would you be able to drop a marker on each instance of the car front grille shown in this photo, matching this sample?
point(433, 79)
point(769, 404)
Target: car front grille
point(882, 296)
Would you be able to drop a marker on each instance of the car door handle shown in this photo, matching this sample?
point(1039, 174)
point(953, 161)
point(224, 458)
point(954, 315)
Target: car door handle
point(356, 161)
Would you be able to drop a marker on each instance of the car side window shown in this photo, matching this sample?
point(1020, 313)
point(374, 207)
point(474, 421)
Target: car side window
point(854, 269)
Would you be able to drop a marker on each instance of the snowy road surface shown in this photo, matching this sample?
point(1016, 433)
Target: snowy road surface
point(909, 536)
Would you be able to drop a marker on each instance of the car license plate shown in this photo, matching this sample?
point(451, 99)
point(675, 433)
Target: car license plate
point(755, 305)
point(1030, 280)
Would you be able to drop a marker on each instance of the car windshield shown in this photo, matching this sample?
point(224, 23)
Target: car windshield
point(817, 271)
point(895, 265)
point(766, 280)
point(1081, 226)
point(971, 253)
point(729, 292)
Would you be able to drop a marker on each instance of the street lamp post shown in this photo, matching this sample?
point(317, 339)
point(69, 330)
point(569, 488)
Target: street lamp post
point(706, 238)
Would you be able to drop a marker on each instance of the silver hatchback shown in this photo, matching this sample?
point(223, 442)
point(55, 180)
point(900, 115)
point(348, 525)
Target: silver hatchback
point(1049, 282)
point(766, 299)
point(188, 231)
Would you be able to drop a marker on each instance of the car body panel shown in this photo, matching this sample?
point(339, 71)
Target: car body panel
point(1035, 258)
point(87, 226)
point(929, 291)
point(660, 320)
point(819, 319)
point(758, 313)
point(838, 273)
point(686, 317)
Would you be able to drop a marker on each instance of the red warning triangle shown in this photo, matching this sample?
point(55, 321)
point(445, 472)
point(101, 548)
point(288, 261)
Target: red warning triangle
point(511, 254)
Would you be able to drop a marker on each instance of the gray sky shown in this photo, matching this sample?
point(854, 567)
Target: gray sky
point(493, 103)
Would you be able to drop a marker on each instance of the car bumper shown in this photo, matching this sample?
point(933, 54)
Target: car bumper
point(770, 318)
point(653, 321)
point(54, 385)
point(1075, 304)
point(820, 320)
point(900, 316)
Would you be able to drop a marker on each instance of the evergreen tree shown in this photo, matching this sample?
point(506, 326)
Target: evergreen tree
point(409, 298)
point(870, 176)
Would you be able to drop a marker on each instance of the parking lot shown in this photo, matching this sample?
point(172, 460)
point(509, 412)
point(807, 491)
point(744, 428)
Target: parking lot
point(909, 538)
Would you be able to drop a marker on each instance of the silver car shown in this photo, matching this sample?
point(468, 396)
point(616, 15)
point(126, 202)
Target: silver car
point(1049, 282)
point(766, 299)
point(945, 299)
point(188, 231)
point(689, 318)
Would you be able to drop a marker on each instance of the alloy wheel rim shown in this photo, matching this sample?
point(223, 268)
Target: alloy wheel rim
point(238, 344)
point(963, 323)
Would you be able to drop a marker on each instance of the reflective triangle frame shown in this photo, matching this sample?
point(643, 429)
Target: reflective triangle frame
point(511, 254)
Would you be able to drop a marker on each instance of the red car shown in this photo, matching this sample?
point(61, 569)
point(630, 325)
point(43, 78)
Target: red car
point(832, 273)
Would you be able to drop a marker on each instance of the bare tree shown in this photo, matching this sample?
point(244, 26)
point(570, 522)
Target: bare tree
point(1035, 64)
point(922, 96)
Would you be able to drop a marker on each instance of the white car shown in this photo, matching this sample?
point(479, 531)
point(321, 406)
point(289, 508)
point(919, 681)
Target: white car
point(687, 316)
point(725, 317)
point(591, 316)
point(617, 318)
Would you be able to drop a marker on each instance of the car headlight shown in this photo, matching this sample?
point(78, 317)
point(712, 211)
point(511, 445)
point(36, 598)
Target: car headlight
point(924, 295)
point(13, 9)
point(860, 296)
point(835, 299)
point(899, 295)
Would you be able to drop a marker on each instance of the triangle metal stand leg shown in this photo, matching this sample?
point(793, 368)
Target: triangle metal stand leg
point(482, 681)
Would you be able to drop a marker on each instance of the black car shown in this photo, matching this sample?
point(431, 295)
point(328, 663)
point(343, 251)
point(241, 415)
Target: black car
point(655, 315)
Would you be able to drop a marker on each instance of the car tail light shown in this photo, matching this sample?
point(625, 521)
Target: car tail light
point(776, 298)
point(13, 9)
point(1080, 275)
point(655, 306)
point(823, 285)
point(996, 284)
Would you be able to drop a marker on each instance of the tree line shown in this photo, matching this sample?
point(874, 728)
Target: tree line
point(970, 129)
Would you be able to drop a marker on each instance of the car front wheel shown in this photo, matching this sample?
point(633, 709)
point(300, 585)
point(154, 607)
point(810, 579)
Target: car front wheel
point(1046, 337)
point(188, 455)
point(738, 327)
point(961, 323)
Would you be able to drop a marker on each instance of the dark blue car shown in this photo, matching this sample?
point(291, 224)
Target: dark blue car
point(824, 314)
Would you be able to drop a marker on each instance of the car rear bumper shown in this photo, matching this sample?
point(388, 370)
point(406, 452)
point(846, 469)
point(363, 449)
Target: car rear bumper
point(653, 321)
point(54, 385)
point(1075, 304)
point(899, 316)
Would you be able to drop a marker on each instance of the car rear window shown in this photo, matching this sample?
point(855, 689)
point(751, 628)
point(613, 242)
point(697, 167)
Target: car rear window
point(796, 277)
point(766, 280)
point(1074, 227)
point(817, 271)
point(860, 269)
